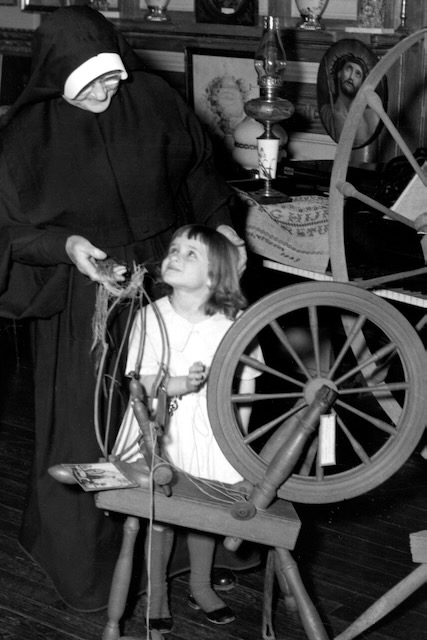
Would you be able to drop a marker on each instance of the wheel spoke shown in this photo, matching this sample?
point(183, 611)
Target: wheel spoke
point(376, 422)
point(349, 191)
point(374, 102)
point(314, 329)
point(381, 389)
point(281, 335)
point(379, 374)
point(261, 366)
point(307, 464)
point(320, 471)
point(245, 398)
point(384, 351)
point(351, 337)
point(356, 446)
point(261, 431)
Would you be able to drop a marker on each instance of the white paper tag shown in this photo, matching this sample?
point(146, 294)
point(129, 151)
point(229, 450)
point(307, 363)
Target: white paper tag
point(327, 437)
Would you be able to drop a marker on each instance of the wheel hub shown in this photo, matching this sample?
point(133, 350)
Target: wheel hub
point(313, 387)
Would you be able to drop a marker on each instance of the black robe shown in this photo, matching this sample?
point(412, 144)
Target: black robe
point(123, 179)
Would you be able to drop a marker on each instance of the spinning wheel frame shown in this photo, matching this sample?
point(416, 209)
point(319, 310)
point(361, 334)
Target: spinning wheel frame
point(341, 300)
point(340, 167)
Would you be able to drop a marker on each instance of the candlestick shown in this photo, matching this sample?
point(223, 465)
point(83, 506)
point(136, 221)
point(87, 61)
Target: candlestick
point(402, 28)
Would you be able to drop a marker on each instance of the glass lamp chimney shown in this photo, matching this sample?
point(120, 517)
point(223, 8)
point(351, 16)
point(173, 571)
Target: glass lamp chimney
point(270, 58)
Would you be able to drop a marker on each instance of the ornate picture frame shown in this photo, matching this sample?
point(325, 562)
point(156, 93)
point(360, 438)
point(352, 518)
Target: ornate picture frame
point(218, 83)
point(332, 81)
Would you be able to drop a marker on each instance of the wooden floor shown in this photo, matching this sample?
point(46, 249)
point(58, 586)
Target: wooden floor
point(349, 553)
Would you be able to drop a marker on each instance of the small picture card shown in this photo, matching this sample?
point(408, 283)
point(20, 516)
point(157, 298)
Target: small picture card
point(100, 476)
point(327, 437)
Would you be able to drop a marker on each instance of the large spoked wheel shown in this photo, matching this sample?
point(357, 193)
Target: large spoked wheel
point(339, 187)
point(314, 335)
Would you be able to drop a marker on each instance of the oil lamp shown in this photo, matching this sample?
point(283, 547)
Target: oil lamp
point(270, 107)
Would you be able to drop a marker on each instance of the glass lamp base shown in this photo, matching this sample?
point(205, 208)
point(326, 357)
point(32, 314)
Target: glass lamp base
point(157, 14)
point(269, 196)
point(310, 23)
point(268, 152)
point(310, 11)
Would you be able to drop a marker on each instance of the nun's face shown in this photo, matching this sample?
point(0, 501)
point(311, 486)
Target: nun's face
point(96, 96)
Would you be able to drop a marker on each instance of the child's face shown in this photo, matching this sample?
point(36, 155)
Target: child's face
point(186, 265)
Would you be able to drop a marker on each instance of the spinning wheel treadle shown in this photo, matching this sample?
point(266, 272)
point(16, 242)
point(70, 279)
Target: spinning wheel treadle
point(315, 335)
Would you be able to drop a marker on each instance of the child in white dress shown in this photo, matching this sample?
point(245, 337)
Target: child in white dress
point(201, 271)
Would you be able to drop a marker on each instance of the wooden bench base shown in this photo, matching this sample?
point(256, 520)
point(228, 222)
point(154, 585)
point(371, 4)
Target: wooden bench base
point(188, 506)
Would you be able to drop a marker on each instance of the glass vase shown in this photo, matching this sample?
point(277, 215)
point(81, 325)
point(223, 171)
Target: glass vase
point(311, 11)
point(157, 11)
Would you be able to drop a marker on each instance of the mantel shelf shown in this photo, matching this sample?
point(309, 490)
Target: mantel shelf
point(183, 30)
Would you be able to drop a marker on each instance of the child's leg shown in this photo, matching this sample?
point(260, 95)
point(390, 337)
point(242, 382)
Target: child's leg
point(201, 549)
point(157, 566)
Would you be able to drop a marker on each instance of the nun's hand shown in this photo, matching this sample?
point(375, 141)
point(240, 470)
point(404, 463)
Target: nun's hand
point(85, 256)
point(229, 233)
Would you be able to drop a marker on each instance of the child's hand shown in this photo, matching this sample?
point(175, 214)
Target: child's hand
point(197, 376)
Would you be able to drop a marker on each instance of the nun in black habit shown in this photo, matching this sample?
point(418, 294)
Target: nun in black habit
point(99, 158)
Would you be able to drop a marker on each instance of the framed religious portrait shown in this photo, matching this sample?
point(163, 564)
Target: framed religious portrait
point(342, 71)
point(242, 12)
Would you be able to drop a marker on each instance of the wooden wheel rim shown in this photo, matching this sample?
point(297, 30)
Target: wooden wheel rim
point(349, 299)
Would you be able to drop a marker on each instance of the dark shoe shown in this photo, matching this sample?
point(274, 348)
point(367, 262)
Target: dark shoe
point(224, 615)
point(163, 625)
point(223, 580)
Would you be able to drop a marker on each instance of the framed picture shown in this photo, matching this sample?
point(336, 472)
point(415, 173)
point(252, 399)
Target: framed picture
point(241, 12)
point(219, 83)
point(342, 70)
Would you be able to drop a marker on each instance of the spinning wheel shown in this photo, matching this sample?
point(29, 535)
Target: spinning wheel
point(339, 187)
point(376, 356)
point(352, 342)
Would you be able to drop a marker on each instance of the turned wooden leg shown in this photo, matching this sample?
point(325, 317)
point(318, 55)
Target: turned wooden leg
point(267, 609)
point(386, 603)
point(121, 580)
point(310, 619)
point(288, 596)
